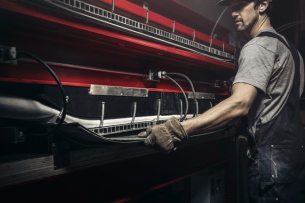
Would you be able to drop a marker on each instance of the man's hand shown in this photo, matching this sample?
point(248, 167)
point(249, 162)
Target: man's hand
point(164, 137)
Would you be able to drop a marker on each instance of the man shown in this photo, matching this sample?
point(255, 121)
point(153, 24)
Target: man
point(267, 89)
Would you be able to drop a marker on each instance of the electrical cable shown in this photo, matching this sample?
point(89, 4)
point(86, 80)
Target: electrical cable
point(192, 86)
point(186, 102)
point(279, 28)
point(220, 16)
point(64, 110)
point(289, 25)
point(81, 144)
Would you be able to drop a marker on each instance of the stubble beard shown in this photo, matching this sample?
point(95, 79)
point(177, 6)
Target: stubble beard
point(247, 27)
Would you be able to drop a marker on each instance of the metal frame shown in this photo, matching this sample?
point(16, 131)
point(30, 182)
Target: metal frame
point(102, 14)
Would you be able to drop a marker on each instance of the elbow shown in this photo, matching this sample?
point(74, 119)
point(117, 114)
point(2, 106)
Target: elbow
point(242, 108)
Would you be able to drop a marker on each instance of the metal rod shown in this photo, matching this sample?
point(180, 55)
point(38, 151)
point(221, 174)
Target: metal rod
point(159, 109)
point(223, 46)
point(134, 112)
point(147, 16)
point(173, 26)
point(196, 102)
point(102, 115)
point(211, 104)
point(194, 35)
point(113, 2)
point(181, 108)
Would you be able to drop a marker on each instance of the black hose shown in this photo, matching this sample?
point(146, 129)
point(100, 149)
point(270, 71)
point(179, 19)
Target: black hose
point(186, 102)
point(192, 86)
point(64, 111)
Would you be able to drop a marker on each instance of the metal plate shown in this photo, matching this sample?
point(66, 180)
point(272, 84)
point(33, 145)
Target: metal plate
point(118, 91)
point(201, 95)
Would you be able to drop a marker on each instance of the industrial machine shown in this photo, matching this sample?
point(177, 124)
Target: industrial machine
point(81, 78)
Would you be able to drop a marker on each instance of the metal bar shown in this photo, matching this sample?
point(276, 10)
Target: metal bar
point(118, 91)
point(102, 114)
point(201, 95)
point(211, 104)
point(134, 112)
point(159, 109)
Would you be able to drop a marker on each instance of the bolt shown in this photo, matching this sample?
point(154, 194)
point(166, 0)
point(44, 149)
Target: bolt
point(55, 167)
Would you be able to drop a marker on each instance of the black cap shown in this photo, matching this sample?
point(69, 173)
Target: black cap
point(223, 3)
point(227, 2)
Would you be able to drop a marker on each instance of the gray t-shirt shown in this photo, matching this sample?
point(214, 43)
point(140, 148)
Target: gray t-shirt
point(267, 64)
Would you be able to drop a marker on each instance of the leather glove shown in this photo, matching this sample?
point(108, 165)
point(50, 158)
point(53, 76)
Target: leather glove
point(164, 137)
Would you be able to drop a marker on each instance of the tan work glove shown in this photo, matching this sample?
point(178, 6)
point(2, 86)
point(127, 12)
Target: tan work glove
point(164, 137)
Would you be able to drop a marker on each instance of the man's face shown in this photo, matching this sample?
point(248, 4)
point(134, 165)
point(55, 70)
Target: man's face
point(244, 14)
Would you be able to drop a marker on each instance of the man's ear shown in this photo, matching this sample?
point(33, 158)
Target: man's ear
point(263, 6)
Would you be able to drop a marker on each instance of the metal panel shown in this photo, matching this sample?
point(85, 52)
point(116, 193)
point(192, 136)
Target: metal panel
point(118, 91)
point(201, 95)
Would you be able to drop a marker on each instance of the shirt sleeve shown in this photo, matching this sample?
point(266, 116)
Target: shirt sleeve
point(255, 66)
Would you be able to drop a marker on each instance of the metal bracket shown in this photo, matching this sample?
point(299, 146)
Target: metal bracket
point(118, 91)
point(60, 113)
point(61, 155)
point(201, 95)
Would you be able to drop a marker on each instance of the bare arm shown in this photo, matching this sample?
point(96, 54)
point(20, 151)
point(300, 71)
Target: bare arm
point(226, 112)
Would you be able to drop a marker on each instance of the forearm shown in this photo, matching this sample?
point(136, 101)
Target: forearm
point(222, 114)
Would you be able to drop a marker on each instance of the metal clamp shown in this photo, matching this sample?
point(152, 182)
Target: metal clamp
point(159, 109)
point(134, 106)
point(173, 26)
point(60, 113)
point(102, 115)
point(113, 5)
